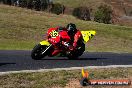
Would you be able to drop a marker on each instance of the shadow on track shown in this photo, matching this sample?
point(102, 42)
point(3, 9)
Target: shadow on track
point(65, 58)
point(1, 64)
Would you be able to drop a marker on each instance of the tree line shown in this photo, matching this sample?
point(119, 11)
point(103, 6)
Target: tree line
point(39, 5)
point(102, 15)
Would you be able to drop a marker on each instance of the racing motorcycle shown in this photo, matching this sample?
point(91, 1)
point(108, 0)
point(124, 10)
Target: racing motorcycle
point(45, 48)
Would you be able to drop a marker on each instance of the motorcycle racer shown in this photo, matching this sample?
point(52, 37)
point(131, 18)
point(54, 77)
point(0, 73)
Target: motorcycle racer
point(74, 36)
point(63, 41)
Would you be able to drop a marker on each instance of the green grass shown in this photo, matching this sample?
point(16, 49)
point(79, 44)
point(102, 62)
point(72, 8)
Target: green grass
point(16, 44)
point(22, 28)
point(71, 4)
point(77, 3)
point(60, 78)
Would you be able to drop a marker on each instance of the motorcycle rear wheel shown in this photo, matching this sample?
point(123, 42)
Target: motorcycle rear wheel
point(36, 53)
point(78, 52)
point(72, 56)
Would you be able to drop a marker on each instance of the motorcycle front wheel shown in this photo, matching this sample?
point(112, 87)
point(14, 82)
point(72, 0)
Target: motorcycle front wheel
point(37, 52)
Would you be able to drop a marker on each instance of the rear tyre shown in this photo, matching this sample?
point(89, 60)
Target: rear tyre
point(76, 53)
point(72, 56)
point(36, 53)
point(80, 49)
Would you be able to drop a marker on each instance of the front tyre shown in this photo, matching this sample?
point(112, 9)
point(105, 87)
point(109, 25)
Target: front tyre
point(36, 53)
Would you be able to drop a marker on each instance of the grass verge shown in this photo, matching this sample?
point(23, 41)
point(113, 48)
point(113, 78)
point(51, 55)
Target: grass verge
point(60, 78)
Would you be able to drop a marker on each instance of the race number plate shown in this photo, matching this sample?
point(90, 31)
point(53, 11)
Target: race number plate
point(54, 34)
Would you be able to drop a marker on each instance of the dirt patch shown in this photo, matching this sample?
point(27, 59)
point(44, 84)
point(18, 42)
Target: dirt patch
point(73, 83)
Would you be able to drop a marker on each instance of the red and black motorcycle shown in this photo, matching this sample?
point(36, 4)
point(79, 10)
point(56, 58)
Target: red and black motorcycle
point(61, 41)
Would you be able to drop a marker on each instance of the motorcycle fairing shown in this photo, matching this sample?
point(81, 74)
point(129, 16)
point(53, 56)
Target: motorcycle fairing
point(45, 43)
point(87, 35)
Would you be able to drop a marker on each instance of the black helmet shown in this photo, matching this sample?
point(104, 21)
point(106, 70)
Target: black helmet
point(71, 28)
point(60, 28)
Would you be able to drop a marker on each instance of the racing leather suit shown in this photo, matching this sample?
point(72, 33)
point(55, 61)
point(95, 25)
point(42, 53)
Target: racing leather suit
point(74, 39)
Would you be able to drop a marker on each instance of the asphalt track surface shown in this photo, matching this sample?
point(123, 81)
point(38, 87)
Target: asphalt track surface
point(12, 60)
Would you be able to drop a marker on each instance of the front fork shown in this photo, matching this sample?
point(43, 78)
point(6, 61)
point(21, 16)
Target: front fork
point(47, 48)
